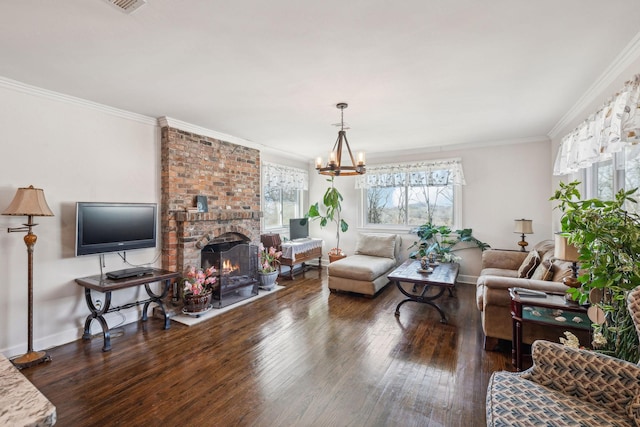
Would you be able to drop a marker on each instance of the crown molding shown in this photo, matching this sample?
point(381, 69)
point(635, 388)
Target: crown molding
point(456, 147)
point(72, 100)
point(629, 54)
point(198, 130)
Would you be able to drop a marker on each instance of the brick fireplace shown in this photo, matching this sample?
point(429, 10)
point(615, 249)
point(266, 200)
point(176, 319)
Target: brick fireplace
point(227, 174)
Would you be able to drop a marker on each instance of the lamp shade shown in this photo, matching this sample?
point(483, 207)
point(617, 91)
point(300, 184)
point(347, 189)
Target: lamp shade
point(523, 226)
point(28, 201)
point(565, 250)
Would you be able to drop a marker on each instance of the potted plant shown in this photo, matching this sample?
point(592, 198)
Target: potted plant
point(607, 237)
point(330, 212)
point(197, 287)
point(267, 268)
point(442, 242)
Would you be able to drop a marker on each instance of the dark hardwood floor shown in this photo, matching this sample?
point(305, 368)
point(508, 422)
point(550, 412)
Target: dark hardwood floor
point(298, 357)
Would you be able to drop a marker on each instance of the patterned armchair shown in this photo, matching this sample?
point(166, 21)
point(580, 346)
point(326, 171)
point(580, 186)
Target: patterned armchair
point(567, 386)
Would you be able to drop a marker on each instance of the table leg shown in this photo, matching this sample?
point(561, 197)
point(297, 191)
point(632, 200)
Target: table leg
point(422, 299)
point(98, 315)
point(516, 351)
point(158, 299)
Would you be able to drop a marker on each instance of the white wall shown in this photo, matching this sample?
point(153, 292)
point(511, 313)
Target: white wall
point(74, 152)
point(504, 182)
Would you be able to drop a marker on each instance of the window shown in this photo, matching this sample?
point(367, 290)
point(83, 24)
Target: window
point(282, 195)
point(412, 194)
point(632, 173)
point(279, 205)
point(604, 180)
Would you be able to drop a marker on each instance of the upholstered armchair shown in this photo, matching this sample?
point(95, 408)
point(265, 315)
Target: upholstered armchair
point(568, 386)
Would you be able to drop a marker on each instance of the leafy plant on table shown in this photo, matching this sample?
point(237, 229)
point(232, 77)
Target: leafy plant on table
point(607, 237)
point(443, 242)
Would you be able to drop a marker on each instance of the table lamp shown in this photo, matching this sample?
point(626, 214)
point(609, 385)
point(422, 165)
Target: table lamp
point(29, 202)
point(565, 251)
point(523, 226)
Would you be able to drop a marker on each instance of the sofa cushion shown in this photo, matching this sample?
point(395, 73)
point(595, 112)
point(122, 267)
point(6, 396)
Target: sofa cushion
point(545, 247)
point(499, 272)
point(361, 267)
point(529, 264)
point(561, 269)
point(380, 245)
point(544, 271)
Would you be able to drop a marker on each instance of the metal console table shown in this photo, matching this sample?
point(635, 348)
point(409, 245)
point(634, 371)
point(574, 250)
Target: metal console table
point(105, 285)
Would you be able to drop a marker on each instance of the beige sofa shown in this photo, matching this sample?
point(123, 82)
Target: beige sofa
point(500, 270)
point(366, 271)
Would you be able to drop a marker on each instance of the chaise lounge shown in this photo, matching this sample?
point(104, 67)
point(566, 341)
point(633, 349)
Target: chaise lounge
point(366, 271)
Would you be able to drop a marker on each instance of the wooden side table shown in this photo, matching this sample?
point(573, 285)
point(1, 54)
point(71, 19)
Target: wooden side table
point(551, 310)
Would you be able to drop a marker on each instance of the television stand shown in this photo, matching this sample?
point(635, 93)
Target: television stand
point(106, 285)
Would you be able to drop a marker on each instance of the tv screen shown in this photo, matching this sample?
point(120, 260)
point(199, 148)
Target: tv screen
point(298, 228)
point(114, 227)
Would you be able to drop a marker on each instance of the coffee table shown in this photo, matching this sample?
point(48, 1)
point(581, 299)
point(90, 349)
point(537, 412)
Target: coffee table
point(425, 287)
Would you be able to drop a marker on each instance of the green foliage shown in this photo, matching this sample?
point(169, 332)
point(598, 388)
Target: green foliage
point(442, 241)
point(330, 211)
point(608, 239)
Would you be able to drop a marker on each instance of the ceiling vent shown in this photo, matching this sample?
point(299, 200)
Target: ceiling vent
point(127, 6)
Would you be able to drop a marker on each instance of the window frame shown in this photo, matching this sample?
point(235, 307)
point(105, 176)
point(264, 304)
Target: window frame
point(364, 225)
point(283, 177)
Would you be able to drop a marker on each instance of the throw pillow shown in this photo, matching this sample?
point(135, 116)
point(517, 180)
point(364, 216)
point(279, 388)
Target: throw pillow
point(544, 271)
point(529, 264)
point(381, 245)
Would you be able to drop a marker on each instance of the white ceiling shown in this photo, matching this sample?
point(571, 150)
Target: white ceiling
point(416, 73)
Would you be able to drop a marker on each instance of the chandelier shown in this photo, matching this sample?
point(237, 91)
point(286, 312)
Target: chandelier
point(334, 166)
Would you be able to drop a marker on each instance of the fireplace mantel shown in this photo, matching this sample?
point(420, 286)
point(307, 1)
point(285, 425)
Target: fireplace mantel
point(217, 215)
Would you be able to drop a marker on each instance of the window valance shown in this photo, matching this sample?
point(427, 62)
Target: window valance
point(426, 173)
point(284, 177)
point(605, 132)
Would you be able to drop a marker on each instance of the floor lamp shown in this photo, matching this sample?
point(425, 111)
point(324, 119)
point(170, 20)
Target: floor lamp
point(29, 202)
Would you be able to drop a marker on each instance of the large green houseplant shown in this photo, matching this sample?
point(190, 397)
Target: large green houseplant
point(607, 237)
point(443, 242)
point(330, 212)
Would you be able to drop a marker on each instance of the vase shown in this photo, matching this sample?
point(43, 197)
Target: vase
point(333, 258)
point(197, 303)
point(268, 280)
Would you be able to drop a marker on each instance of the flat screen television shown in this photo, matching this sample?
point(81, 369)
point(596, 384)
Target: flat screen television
point(114, 227)
point(298, 228)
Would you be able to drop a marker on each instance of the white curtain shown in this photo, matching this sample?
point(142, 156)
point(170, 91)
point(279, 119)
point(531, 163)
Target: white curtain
point(431, 173)
point(284, 177)
point(614, 126)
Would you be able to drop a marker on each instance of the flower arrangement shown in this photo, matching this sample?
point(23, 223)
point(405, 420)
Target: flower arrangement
point(269, 259)
point(198, 281)
point(336, 252)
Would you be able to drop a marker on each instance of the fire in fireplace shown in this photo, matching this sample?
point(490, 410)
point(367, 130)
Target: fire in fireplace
point(237, 265)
